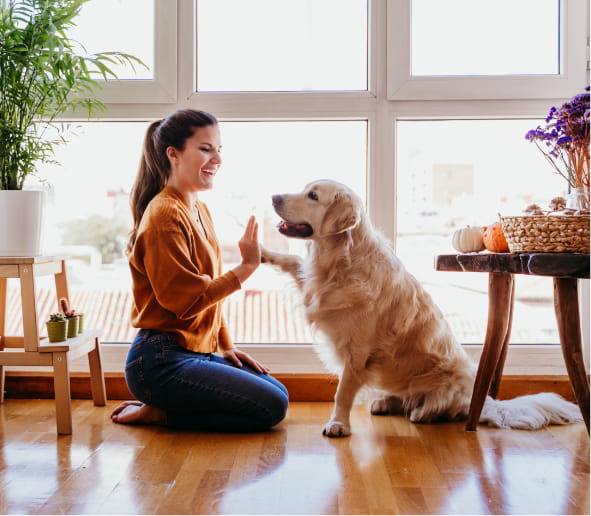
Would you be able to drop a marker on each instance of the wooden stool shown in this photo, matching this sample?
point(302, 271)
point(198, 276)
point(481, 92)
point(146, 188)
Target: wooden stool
point(501, 268)
point(31, 350)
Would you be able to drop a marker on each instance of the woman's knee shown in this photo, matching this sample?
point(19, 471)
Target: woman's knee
point(276, 407)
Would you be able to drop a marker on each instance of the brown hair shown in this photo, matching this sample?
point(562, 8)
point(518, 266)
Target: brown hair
point(154, 168)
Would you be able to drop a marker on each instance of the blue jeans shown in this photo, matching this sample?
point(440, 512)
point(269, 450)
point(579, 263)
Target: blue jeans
point(201, 391)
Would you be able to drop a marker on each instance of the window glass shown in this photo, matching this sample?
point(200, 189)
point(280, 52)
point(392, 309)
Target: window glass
point(262, 159)
point(467, 172)
point(281, 45)
point(119, 25)
point(88, 216)
point(483, 37)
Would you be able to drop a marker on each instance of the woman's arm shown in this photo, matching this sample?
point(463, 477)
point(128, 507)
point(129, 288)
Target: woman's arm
point(174, 279)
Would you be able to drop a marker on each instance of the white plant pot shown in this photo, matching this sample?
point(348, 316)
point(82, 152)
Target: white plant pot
point(21, 216)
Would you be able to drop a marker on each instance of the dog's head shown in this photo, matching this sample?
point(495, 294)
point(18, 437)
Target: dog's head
point(322, 209)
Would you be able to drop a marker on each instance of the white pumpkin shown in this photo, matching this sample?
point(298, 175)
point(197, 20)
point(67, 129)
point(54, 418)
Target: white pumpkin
point(468, 239)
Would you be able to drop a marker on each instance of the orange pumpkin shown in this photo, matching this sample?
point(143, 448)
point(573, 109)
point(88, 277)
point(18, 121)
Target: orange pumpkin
point(494, 238)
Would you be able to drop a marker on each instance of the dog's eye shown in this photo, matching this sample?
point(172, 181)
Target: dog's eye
point(312, 195)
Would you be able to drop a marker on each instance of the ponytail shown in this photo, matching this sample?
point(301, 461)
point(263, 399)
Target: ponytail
point(150, 179)
point(154, 168)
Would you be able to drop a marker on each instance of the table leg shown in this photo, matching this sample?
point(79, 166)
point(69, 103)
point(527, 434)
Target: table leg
point(63, 398)
point(500, 296)
point(29, 306)
point(566, 306)
point(97, 378)
point(498, 374)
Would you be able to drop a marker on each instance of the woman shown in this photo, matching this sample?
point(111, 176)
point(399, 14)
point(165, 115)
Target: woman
point(178, 287)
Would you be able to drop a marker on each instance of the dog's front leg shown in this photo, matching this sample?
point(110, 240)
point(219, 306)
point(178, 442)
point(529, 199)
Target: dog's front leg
point(289, 263)
point(349, 384)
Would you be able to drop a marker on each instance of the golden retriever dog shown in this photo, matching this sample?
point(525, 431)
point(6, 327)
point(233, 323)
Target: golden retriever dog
point(381, 328)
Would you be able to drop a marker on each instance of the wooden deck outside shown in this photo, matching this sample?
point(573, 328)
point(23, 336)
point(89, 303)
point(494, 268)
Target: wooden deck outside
point(253, 316)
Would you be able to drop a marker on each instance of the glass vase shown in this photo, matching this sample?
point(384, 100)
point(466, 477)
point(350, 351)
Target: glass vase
point(577, 199)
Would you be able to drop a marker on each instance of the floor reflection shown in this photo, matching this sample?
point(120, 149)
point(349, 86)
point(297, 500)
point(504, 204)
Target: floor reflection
point(388, 466)
point(301, 485)
point(517, 472)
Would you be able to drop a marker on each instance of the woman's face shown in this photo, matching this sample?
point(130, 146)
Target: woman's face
point(193, 169)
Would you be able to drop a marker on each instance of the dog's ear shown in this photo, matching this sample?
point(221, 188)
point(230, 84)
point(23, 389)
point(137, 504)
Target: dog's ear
point(342, 215)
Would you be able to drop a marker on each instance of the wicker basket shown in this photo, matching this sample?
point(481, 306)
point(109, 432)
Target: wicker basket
point(547, 233)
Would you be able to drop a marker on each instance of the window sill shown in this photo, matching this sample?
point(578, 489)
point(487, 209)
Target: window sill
point(285, 359)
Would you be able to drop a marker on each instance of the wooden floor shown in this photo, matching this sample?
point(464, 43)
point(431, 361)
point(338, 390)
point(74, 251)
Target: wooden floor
point(388, 466)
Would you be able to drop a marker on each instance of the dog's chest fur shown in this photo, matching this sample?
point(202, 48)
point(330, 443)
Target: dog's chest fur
point(342, 298)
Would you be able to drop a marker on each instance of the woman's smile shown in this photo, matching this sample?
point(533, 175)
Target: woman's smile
point(194, 167)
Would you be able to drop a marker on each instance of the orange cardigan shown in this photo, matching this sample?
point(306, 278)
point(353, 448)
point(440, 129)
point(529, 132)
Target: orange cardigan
point(178, 285)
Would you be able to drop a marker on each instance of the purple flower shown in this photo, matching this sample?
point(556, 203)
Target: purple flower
point(564, 140)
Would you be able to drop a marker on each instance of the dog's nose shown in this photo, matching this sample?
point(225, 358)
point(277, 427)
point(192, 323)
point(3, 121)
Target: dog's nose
point(277, 200)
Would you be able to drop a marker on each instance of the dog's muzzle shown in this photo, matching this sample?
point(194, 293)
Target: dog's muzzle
point(290, 229)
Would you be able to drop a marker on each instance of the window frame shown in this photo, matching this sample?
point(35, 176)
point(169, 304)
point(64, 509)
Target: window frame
point(402, 85)
point(381, 105)
point(163, 87)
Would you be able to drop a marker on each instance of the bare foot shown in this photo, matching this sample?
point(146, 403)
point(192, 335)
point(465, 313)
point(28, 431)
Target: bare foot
point(137, 413)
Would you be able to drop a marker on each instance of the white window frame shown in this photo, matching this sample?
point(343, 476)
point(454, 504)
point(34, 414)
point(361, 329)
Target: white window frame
point(402, 85)
point(163, 87)
point(382, 106)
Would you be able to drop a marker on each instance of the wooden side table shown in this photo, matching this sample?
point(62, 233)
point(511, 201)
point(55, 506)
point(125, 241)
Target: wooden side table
point(30, 349)
point(501, 268)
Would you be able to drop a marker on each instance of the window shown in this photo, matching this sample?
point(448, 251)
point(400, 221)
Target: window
point(281, 45)
point(88, 216)
point(461, 37)
point(143, 28)
point(255, 167)
point(454, 173)
point(484, 49)
point(357, 100)
point(118, 17)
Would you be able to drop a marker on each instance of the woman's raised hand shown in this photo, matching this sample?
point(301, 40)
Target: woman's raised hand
point(249, 250)
point(249, 243)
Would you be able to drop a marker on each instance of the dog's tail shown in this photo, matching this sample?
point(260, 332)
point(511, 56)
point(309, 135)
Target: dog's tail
point(530, 412)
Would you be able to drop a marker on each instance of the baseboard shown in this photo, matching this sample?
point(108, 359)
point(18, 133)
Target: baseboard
point(301, 387)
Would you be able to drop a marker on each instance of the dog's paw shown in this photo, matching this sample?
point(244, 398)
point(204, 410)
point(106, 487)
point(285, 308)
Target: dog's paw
point(419, 416)
point(336, 429)
point(265, 255)
point(391, 405)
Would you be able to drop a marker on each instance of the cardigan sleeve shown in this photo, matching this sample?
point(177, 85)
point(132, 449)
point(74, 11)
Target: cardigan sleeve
point(224, 339)
point(177, 283)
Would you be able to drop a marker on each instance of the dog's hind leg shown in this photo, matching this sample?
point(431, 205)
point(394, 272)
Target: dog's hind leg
point(289, 263)
point(349, 384)
point(388, 405)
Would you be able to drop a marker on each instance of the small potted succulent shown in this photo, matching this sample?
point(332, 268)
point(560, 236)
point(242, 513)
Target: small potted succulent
point(57, 327)
point(71, 316)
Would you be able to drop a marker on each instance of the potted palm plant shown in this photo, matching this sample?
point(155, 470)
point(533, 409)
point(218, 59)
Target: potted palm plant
point(43, 74)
